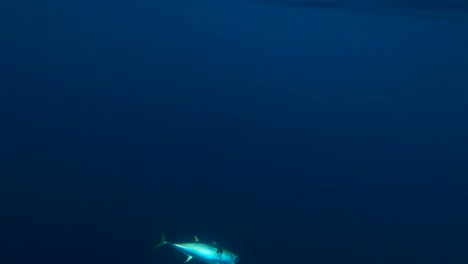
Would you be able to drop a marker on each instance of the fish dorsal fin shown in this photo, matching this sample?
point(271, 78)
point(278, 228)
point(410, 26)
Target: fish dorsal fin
point(196, 238)
point(188, 258)
point(219, 249)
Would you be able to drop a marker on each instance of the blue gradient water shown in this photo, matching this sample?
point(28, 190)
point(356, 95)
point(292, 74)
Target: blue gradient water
point(285, 134)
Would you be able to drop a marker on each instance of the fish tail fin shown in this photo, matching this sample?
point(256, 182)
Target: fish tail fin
point(162, 242)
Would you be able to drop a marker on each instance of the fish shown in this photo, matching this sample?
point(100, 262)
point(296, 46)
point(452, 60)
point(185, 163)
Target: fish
point(209, 253)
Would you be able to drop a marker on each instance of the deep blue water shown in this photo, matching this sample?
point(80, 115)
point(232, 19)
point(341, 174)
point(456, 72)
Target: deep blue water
point(287, 134)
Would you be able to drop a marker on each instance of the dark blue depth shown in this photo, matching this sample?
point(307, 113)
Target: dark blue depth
point(287, 135)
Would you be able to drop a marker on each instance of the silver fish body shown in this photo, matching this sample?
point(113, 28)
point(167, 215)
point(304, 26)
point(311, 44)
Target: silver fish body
point(209, 253)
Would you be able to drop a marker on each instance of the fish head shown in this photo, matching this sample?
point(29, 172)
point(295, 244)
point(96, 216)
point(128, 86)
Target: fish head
point(229, 257)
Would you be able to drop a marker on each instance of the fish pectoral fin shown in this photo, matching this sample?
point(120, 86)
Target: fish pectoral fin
point(188, 258)
point(196, 238)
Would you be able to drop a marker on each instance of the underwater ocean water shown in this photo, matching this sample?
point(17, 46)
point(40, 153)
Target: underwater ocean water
point(288, 131)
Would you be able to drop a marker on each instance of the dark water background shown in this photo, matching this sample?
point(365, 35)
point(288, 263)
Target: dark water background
point(288, 135)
